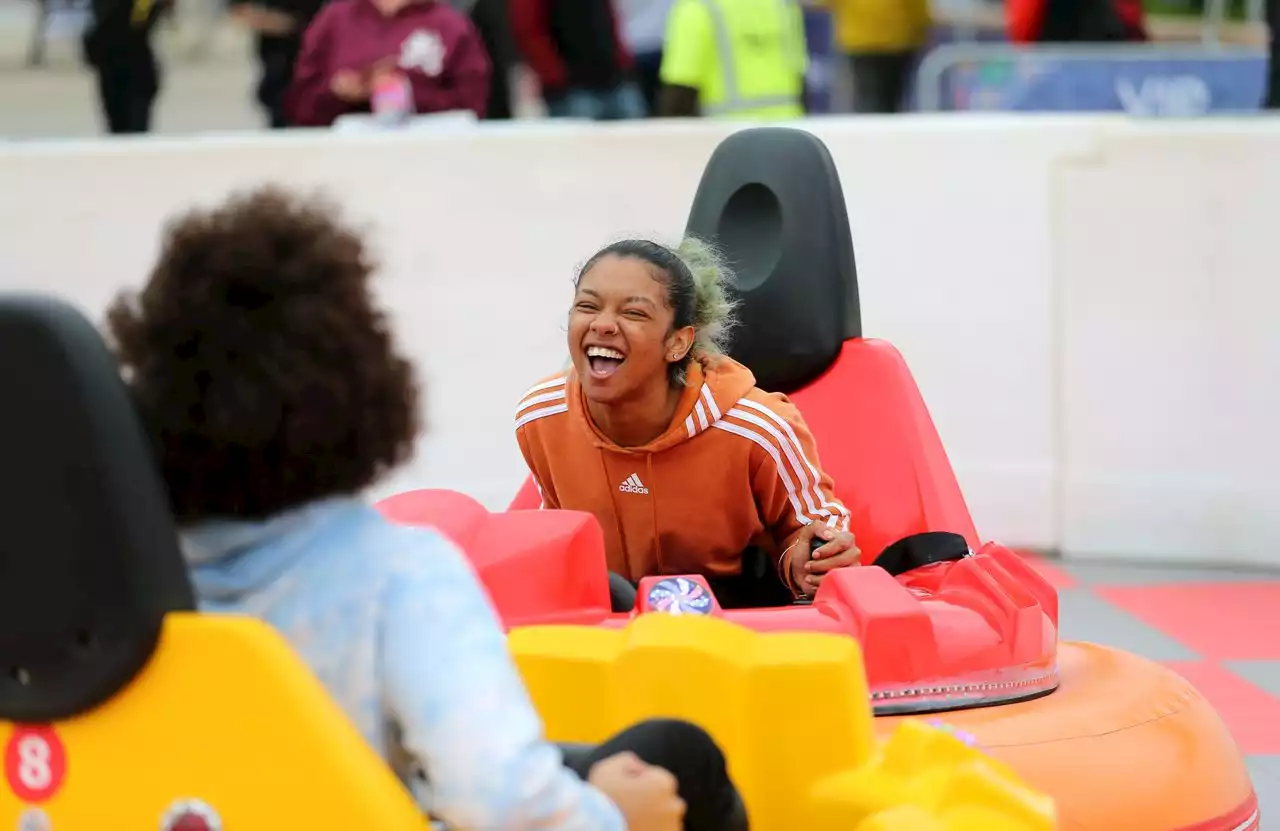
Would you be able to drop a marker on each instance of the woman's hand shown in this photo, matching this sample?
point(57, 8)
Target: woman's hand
point(383, 73)
point(350, 86)
point(647, 796)
point(808, 570)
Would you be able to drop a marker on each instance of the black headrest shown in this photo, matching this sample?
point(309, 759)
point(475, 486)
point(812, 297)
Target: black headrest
point(771, 200)
point(89, 556)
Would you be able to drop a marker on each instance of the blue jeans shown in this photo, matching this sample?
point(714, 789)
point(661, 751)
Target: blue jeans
point(624, 101)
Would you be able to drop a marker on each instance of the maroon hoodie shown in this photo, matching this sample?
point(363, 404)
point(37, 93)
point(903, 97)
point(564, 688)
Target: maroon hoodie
point(433, 44)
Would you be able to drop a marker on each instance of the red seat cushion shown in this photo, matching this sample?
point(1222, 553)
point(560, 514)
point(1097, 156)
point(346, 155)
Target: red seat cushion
point(877, 441)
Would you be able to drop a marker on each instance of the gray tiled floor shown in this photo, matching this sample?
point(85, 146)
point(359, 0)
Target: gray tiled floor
point(1266, 780)
point(1085, 615)
point(1265, 674)
point(1138, 575)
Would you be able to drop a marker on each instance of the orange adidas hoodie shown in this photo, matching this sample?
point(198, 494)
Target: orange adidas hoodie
point(735, 467)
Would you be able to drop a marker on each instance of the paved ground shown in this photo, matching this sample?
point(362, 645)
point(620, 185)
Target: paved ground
point(1219, 629)
point(58, 99)
point(208, 82)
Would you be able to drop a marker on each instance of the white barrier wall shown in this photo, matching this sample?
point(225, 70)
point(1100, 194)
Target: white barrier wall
point(1168, 304)
point(1086, 303)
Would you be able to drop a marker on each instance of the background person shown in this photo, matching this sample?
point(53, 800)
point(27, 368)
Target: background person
point(1272, 100)
point(493, 23)
point(117, 45)
point(688, 466)
point(274, 394)
point(576, 51)
point(881, 40)
point(763, 75)
point(352, 42)
point(1076, 21)
point(278, 26)
point(644, 25)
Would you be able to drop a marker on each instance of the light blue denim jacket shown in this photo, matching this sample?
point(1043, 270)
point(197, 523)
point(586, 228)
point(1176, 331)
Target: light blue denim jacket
point(396, 625)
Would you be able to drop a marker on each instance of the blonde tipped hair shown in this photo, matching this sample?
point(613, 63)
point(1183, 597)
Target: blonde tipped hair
point(715, 307)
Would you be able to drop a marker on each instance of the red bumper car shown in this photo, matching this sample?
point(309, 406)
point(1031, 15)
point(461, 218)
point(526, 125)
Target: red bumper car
point(948, 623)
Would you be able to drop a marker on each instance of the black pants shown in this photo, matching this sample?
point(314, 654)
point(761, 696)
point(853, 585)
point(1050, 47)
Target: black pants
point(757, 587)
point(691, 755)
point(648, 69)
point(880, 80)
point(276, 56)
point(127, 70)
point(493, 24)
point(1272, 100)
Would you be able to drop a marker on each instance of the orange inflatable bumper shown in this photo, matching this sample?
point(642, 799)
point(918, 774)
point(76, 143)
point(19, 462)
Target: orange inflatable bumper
point(1124, 744)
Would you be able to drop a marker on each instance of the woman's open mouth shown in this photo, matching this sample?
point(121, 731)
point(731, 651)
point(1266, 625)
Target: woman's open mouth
point(604, 361)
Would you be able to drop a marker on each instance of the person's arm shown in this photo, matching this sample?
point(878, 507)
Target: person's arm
point(264, 17)
point(546, 399)
point(462, 710)
point(687, 57)
point(531, 30)
point(309, 102)
point(789, 483)
point(464, 82)
point(546, 488)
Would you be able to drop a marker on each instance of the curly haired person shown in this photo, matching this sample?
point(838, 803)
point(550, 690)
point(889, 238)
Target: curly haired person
point(270, 384)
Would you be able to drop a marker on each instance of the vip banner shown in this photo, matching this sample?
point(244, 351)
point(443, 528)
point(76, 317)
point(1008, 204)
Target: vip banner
point(1141, 80)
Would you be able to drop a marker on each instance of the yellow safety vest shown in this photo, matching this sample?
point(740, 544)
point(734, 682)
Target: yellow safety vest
point(758, 58)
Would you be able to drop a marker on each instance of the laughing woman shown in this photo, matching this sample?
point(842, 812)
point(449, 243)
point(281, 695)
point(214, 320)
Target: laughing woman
point(686, 463)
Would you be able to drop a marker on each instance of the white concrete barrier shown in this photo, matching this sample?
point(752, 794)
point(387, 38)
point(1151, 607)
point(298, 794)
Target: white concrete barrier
point(1083, 301)
point(1168, 304)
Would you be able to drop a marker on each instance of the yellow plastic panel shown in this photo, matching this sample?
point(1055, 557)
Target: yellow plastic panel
point(746, 689)
point(791, 711)
point(224, 713)
point(936, 775)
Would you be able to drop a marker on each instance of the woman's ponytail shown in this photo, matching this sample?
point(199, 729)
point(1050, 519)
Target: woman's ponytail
point(714, 305)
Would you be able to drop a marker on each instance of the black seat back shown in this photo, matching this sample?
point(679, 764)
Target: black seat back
point(89, 556)
point(771, 200)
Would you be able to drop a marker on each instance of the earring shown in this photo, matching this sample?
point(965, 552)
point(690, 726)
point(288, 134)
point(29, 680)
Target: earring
point(675, 356)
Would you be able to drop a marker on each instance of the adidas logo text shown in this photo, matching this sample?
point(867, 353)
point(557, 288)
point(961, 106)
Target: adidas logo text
point(632, 484)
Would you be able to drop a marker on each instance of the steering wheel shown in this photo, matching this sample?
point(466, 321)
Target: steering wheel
point(814, 545)
point(905, 555)
point(622, 593)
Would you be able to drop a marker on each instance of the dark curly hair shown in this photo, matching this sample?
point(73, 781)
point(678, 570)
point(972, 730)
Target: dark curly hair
point(259, 363)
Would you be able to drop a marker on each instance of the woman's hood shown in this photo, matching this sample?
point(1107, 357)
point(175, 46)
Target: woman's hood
point(713, 387)
point(230, 558)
